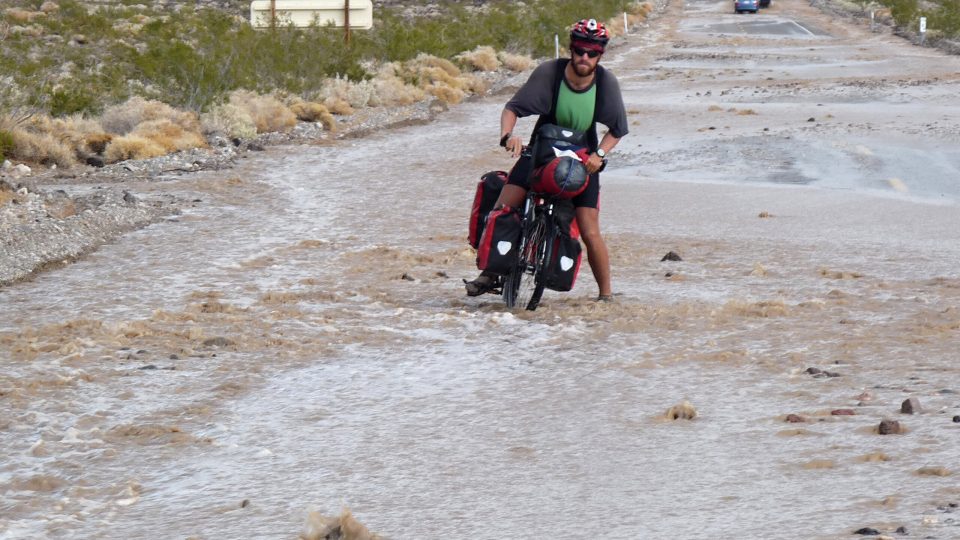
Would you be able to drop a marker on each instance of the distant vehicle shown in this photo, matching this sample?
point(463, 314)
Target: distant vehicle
point(739, 6)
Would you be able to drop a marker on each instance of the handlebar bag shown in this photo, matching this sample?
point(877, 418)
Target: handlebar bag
point(488, 190)
point(500, 242)
point(553, 141)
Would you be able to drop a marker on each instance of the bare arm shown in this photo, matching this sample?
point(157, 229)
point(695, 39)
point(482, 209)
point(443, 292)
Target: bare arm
point(508, 121)
point(607, 143)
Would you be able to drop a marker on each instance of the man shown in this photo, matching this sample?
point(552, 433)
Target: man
point(574, 93)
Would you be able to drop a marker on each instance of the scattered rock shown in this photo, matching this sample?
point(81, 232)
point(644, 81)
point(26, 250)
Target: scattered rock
point(671, 256)
point(407, 277)
point(148, 367)
point(683, 411)
point(245, 503)
point(794, 419)
point(765, 214)
point(812, 119)
point(889, 427)
point(934, 471)
point(217, 342)
point(867, 531)
point(814, 371)
point(911, 406)
point(956, 419)
point(901, 530)
point(95, 161)
point(129, 198)
point(843, 412)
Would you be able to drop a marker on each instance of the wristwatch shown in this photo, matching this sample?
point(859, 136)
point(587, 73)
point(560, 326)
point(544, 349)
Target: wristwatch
point(601, 153)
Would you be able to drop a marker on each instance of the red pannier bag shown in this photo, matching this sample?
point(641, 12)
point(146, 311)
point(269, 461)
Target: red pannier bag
point(561, 272)
point(488, 190)
point(497, 251)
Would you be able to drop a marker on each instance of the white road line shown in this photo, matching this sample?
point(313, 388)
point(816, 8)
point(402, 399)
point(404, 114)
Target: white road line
point(802, 27)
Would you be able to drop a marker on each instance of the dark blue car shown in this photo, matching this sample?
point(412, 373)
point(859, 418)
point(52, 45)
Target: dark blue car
point(739, 6)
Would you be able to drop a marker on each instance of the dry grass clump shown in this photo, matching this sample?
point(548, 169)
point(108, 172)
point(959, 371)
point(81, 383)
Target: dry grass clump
point(230, 120)
point(41, 148)
point(391, 89)
point(309, 111)
point(681, 411)
point(21, 15)
point(483, 58)
point(132, 147)
point(342, 96)
point(169, 136)
point(636, 14)
point(124, 118)
point(515, 62)
point(80, 134)
point(268, 113)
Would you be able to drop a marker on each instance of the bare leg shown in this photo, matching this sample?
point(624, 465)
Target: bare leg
point(588, 219)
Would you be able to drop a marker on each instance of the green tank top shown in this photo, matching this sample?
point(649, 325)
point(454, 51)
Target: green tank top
point(575, 109)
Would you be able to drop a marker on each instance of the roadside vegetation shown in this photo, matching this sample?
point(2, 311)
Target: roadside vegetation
point(943, 16)
point(122, 80)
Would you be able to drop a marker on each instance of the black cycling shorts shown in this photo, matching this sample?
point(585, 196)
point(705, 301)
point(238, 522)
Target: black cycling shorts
point(520, 177)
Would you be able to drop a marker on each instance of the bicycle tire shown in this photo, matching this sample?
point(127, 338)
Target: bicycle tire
point(524, 285)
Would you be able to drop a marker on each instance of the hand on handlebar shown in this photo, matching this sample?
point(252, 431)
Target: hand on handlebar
point(514, 145)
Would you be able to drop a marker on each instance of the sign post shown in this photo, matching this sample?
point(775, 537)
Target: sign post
point(923, 30)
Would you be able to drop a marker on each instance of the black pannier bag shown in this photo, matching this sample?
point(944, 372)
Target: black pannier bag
point(488, 190)
point(500, 242)
point(552, 138)
point(564, 265)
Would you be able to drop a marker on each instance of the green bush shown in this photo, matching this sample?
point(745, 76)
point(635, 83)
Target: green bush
point(6, 144)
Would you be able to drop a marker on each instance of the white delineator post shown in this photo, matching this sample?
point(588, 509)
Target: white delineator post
point(923, 29)
point(556, 44)
point(626, 28)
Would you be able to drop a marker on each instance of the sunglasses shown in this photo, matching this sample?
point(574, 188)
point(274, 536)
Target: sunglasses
point(577, 51)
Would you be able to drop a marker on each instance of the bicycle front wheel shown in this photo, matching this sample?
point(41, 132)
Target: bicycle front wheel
point(524, 285)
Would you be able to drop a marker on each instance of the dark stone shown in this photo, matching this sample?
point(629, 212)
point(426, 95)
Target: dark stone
point(813, 370)
point(148, 367)
point(245, 503)
point(794, 419)
point(812, 119)
point(217, 342)
point(831, 373)
point(889, 427)
point(129, 198)
point(407, 277)
point(948, 391)
point(843, 412)
point(901, 530)
point(671, 256)
point(255, 147)
point(236, 141)
point(911, 406)
point(957, 419)
point(95, 161)
point(867, 531)
point(173, 357)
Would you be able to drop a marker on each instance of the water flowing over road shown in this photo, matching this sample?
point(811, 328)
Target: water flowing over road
point(299, 339)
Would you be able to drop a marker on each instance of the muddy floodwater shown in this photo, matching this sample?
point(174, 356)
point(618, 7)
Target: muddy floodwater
point(298, 339)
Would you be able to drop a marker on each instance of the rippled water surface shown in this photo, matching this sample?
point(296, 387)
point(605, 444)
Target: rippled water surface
point(298, 339)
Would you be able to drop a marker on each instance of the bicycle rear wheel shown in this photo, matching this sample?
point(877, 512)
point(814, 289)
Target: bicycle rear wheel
point(523, 287)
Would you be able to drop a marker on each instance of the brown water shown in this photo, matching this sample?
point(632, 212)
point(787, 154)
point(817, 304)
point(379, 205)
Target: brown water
point(220, 374)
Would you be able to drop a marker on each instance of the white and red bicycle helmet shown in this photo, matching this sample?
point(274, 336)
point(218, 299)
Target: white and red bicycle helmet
point(590, 31)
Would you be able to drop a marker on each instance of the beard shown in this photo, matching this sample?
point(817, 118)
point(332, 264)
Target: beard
point(583, 68)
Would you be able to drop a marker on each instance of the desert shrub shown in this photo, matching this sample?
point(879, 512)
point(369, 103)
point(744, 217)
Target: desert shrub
point(515, 62)
point(392, 90)
point(132, 147)
point(170, 136)
point(904, 12)
point(41, 148)
point(338, 105)
point(446, 94)
point(309, 111)
point(229, 120)
point(268, 113)
point(124, 118)
point(946, 18)
point(6, 144)
point(72, 99)
point(483, 58)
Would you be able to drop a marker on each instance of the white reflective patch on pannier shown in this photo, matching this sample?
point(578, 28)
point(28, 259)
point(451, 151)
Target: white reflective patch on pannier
point(566, 263)
point(503, 247)
point(566, 133)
